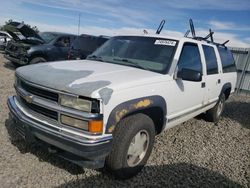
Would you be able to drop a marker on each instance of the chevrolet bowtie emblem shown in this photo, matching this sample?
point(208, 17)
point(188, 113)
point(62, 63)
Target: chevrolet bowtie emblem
point(28, 98)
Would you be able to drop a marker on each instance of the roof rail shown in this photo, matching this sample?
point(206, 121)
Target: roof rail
point(210, 35)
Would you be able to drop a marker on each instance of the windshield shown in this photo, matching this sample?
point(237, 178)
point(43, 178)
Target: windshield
point(47, 37)
point(153, 54)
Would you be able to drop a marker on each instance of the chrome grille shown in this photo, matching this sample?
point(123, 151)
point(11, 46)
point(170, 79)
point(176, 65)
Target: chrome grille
point(39, 92)
point(44, 111)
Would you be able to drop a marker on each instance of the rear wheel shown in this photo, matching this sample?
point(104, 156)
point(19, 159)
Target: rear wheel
point(213, 115)
point(37, 60)
point(132, 145)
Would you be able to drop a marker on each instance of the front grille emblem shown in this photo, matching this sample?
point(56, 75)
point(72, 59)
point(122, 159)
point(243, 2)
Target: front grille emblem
point(29, 98)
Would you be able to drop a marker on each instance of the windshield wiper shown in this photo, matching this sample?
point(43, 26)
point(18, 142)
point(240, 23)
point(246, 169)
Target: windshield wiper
point(94, 57)
point(127, 61)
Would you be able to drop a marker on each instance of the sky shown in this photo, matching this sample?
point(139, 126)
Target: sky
point(230, 19)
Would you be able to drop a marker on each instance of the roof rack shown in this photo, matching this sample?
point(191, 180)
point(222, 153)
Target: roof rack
point(206, 38)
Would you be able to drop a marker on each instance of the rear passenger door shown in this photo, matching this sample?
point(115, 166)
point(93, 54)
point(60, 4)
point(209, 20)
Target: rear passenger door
point(213, 74)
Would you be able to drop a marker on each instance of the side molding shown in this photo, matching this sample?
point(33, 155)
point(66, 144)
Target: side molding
point(132, 106)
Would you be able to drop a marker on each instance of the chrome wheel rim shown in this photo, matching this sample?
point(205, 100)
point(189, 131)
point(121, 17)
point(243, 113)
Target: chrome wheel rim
point(138, 148)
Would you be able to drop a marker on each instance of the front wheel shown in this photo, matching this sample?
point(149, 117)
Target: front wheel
point(213, 115)
point(132, 145)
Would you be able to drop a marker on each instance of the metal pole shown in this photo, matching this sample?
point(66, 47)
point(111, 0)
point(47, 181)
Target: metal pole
point(79, 23)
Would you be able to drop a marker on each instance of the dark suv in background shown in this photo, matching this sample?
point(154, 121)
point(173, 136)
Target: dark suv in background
point(84, 45)
point(34, 48)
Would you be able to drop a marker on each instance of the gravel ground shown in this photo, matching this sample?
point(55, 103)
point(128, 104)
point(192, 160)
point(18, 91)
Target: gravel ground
point(194, 154)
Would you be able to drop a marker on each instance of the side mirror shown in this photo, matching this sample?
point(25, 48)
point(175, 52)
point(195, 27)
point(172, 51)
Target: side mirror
point(189, 75)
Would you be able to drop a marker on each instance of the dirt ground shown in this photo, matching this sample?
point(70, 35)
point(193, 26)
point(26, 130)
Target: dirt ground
point(194, 154)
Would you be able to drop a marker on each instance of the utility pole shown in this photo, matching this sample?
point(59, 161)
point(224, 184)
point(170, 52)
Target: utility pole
point(79, 23)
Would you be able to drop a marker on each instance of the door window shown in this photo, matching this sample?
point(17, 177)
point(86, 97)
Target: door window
point(211, 61)
point(190, 58)
point(64, 41)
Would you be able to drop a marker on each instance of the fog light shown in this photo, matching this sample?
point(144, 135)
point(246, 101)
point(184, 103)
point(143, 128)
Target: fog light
point(74, 122)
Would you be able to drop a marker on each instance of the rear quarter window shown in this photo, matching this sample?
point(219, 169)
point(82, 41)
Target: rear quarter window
point(211, 61)
point(227, 60)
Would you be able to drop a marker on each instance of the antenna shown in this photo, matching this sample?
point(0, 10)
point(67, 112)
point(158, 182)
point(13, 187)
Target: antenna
point(192, 27)
point(79, 23)
point(160, 27)
point(187, 32)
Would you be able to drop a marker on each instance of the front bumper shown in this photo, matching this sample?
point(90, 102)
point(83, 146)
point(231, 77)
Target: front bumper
point(21, 61)
point(89, 154)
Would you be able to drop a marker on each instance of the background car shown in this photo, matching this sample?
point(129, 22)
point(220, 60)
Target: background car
point(4, 38)
point(84, 45)
point(37, 47)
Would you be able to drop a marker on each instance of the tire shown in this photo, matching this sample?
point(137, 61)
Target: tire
point(120, 162)
point(213, 115)
point(37, 60)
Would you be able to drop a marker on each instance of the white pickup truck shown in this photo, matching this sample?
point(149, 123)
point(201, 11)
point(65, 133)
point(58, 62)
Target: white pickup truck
point(107, 110)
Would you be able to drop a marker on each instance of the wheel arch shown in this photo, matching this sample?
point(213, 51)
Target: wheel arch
point(153, 106)
point(226, 89)
point(38, 54)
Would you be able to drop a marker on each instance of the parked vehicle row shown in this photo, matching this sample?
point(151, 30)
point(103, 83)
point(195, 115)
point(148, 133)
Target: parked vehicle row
point(106, 110)
point(48, 46)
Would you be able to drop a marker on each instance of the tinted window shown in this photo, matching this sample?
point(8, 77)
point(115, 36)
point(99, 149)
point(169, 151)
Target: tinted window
point(190, 57)
point(227, 60)
point(211, 61)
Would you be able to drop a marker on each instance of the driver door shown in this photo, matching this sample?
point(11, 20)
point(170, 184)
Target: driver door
point(188, 96)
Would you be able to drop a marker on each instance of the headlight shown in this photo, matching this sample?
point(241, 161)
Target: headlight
point(76, 103)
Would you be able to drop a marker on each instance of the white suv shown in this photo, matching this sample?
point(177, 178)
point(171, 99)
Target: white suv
point(106, 110)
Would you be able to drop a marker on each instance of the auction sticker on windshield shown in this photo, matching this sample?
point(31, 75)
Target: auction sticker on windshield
point(165, 42)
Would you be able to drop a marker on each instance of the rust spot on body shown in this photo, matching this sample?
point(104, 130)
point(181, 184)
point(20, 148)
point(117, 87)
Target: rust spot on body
point(142, 104)
point(111, 128)
point(120, 114)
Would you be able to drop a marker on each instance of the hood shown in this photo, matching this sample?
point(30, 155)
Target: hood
point(13, 35)
point(85, 77)
point(13, 27)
